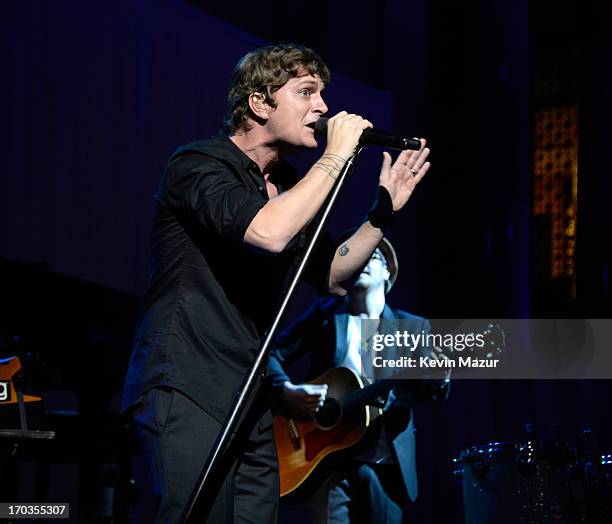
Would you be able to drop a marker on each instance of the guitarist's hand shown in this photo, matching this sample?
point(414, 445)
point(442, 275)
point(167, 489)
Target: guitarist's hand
point(304, 399)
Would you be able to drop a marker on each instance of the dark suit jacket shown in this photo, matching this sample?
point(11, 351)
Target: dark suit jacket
point(321, 332)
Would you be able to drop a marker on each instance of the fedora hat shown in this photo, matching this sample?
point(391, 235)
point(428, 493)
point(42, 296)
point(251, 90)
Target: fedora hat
point(388, 251)
point(390, 255)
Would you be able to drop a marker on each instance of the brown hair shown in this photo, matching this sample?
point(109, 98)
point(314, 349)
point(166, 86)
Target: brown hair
point(265, 70)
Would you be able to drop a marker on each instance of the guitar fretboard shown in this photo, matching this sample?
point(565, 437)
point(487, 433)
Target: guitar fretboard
point(368, 394)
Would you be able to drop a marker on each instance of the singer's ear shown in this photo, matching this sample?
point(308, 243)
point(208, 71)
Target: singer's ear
point(258, 105)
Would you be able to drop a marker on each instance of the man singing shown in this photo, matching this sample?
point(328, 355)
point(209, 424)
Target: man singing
point(230, 222)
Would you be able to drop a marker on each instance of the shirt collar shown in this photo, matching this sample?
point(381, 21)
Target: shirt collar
point(284, 174)
point(238, 156)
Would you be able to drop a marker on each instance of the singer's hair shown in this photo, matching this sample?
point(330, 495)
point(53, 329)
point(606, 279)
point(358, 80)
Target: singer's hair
point(265, 70)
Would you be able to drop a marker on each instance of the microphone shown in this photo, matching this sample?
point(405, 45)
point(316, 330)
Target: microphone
point(375, 137)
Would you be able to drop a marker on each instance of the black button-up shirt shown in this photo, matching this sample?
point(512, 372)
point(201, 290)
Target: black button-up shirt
point(210, 296)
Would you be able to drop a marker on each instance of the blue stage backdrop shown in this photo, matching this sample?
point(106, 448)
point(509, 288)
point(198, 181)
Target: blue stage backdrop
point(97, 94)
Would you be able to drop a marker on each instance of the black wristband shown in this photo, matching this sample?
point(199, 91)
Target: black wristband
point(381, 214)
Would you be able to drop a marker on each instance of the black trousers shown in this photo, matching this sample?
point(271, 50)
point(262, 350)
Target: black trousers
point(177, 436)
point(361, 493)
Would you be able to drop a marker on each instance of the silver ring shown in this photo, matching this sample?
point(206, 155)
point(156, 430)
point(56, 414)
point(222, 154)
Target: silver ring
point(413, 171)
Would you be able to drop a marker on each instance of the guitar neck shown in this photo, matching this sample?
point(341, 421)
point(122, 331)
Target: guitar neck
point(494, 341)
point(367, 395)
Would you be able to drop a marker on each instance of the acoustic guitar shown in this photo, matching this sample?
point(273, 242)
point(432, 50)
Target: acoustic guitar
point(341, 422)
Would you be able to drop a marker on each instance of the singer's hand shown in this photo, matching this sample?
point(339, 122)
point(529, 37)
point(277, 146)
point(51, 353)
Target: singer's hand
point(343, 133)
point(401, 178)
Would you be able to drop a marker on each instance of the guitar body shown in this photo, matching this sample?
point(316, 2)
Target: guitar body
point(342, 421)
point(302, 445)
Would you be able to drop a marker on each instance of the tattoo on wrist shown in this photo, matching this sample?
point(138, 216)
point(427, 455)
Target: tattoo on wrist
point(331, 164)
point(344, 250)
point(328, 170)
point(335, 158)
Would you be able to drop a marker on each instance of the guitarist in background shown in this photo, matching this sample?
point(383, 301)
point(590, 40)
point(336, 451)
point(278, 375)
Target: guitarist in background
point(376, 479)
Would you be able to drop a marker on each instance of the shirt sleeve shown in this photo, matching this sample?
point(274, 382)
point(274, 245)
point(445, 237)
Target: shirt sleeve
point(428, 389)
point(206, 190)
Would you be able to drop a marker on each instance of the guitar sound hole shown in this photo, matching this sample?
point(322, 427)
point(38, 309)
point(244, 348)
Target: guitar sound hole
point(329, 414)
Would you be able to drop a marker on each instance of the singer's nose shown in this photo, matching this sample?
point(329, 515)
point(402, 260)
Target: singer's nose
point(319, 106)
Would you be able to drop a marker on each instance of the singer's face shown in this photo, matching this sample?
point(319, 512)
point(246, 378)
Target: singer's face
point(299, 105)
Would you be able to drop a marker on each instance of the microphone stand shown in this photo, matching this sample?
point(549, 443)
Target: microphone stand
point(196, 510)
